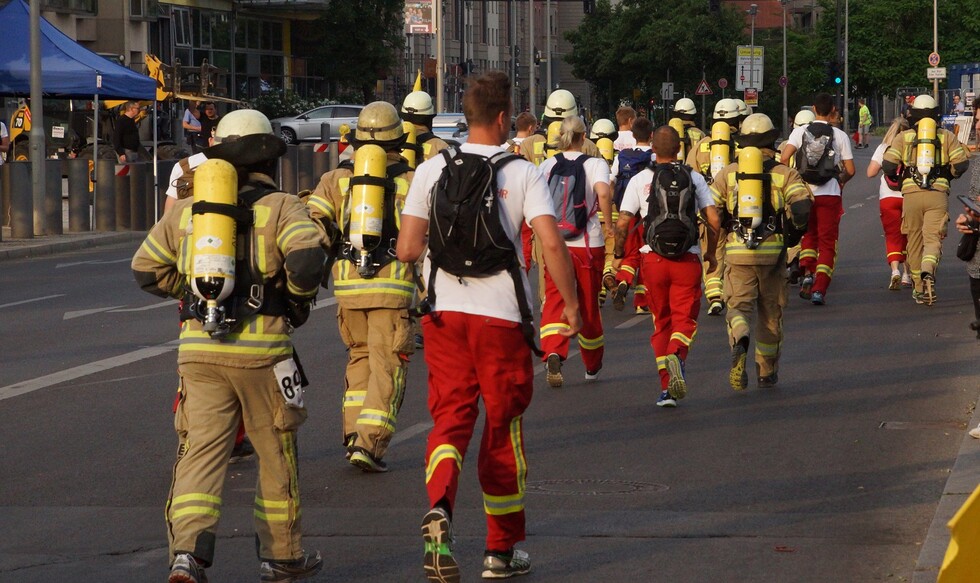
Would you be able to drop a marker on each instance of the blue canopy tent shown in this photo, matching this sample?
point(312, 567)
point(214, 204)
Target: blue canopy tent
point(68, 70)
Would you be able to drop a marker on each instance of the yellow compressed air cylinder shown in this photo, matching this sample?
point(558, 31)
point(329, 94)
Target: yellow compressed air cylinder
point(750, 189)
point(408, 152)
point(551, 142)
point(925, 148)
point(606, 149)
point(721, 151)
point(678, 125)
point(213, 238)
point(367, 200)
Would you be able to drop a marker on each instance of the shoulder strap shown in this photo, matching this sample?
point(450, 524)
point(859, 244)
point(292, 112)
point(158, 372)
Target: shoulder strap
point(424, 137)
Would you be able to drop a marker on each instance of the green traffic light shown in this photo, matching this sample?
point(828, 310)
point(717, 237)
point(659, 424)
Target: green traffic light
point(837, 80)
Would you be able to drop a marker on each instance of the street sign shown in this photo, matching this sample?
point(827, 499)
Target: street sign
point(933, 59)
point(722, 82)
point(667, 91)
point(783, 81)
point(749, 66)
point(936, 72)
point(703, 88)
point(751, 97)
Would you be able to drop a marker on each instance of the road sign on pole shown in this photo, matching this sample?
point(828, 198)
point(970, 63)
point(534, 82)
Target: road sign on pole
point(936, 73)
point(751, 97)
point(933, 59)
point(783, 81)
point(667, 91)
point(703, 88)
point(722, 82)
point(748, 67)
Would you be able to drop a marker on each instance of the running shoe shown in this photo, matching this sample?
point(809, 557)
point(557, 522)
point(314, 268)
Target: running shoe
point(896, 282)
point(768, 381)
point(737, 377)
point(437, 533)
point(186, 570)
point(619, 296)
point(817, 299)
point(806, 285)
point(289, 571)
point(554, 376)
point(666, 400)
point(505, 565)
point(928, 289)
point(366, 462)
point(676, 385)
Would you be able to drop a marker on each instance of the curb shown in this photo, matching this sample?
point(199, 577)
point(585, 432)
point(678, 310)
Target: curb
point(963, 479)
point(30, 248)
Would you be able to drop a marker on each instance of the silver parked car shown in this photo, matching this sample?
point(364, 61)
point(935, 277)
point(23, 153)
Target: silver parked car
point(450, 127)
point(306, 126)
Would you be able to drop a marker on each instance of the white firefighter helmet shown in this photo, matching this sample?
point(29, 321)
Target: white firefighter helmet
point(756, 124)
point(241, 123)
point(804, 117)
point(726, 109)
point(924, 102)
point(602, 128)
point(561, 104)
point(419, 103)
point(244, 137)
point(743, 108)
point(685, 106)
point(378, 123)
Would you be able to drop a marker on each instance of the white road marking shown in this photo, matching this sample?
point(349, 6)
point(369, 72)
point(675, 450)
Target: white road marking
point(858, 205)
point(324, 303)
point(89, 312)
point(410, 432)
point(41, 299)
point(150, 307)
point(872, 197)
point(70, 374)
point(634, 321)
point(93, 262)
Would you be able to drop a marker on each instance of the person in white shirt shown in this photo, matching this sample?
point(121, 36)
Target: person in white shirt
point(673, 285)
point(192, 125)
point(890, 208)
point(178, 187)
point(624, 118)
point(818, 253)
point(525, 125)
point(588, 254)
point(475, 347)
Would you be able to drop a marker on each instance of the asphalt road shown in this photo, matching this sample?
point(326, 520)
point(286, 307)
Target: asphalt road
point(833, 476)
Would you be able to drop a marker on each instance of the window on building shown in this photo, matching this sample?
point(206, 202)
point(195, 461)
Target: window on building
point(205, 23)
point(182, 27)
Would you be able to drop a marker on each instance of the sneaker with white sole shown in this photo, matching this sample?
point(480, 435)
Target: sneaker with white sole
point(895, 283)
point(676, 385)
point(505, 565)
point(437, 533)
point(975, 432)
point(928, 289)
point(289, 571)
point(591, 375)
point(906, 279)
point(366, 462)
point(186, 570)
point(666, 400)
point(554, 376)
point(806, 284)
point(619, 296)
point(738, 378)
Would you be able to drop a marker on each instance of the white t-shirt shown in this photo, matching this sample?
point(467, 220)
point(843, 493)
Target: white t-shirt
point(638, 190)
point(175, 174)
point(883, 190)
point(523, 196)
point(3, 134)
point(615, 165)
point(842, 151)
point(624, 140)
point(517, 142)
point(596, 171)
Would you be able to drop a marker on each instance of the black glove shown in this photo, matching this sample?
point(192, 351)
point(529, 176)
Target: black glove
point(793, 235)
point(298, 310)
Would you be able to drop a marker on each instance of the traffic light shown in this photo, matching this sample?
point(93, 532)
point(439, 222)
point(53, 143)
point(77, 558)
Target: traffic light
point(834, 76)
point(714, 5)
point(588, 6)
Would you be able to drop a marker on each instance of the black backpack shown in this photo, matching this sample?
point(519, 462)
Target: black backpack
point(631, 162)
point(567, 186)
point(671, 224)
point(466, 235)
point(815, 157)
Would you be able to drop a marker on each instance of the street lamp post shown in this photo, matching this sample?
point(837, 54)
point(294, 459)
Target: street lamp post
point(785, 124)
point(753, 10)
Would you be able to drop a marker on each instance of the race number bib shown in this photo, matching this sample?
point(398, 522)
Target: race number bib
point(290, 382)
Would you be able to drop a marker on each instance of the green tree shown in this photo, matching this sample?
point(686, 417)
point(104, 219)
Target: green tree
point(355, 43)
point(638, 44)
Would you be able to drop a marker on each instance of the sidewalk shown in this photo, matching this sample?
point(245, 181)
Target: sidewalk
point(11, 248)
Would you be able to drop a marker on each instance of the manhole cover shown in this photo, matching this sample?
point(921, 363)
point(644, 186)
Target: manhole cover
point(593, 487)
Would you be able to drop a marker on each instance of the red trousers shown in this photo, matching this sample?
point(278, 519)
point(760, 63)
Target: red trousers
point(630, 268)
point(588, 275)
point(818, 252)
point(472, 357)
point(891, 221)
point(674, 298)
point(527, 236)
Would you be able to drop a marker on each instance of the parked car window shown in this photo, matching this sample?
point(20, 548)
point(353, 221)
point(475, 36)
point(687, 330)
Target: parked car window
point(321, 113)
point(346, 112)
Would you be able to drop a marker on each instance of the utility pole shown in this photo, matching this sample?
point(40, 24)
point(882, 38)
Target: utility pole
point(531, 85)
point(440, 57)
point(38, 149)
point(847, 20)
point(935, 49)
point(548, 50)
point(785, 125)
